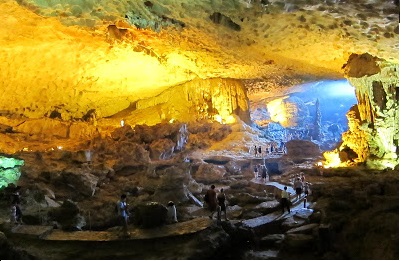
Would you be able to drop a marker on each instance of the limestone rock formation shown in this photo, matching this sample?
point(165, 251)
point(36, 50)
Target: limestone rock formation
point(302, 149)
point(152, 99)
point(374, 123)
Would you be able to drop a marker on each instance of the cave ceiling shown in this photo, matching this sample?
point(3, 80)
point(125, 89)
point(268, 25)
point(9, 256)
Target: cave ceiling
point(81, 55)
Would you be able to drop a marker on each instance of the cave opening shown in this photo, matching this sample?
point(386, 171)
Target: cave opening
point(314, 111)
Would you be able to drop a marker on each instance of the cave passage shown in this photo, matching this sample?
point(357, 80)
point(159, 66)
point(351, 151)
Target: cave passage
point(314, 111)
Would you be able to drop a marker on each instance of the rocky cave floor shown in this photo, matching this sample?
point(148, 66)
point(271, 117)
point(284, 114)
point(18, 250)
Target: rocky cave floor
point(359, 207)
point(352, 213)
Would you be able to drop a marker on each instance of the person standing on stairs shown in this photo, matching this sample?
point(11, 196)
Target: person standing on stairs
point(298, 187)
point(285, 200)
point(256, 171)
point(264, 173)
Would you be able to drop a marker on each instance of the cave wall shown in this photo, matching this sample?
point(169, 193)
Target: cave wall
point(374, 123)
point(222, 100)
point(200, 99)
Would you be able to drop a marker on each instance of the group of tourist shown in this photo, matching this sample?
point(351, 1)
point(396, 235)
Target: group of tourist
point(271, 148)
point(300, 186)
point(260, 171)
point(216, 202)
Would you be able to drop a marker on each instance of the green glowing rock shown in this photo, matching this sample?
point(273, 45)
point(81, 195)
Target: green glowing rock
point(9, 170)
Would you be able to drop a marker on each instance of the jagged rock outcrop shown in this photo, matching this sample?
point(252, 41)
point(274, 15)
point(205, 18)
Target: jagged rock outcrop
point(374, 124)
point(289, 111)
point(200, 99)
point(149, 215)
point(302, 149)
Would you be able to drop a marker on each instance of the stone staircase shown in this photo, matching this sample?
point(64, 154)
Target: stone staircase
point(280, 235)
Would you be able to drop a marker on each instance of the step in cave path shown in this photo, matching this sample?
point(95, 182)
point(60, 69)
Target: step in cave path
point(269, 225)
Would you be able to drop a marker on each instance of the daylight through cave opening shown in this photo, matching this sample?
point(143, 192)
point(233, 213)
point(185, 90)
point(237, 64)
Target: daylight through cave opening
point(314, 111)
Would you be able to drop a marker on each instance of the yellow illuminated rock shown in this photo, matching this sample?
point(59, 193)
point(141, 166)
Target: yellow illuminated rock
point(90, 63)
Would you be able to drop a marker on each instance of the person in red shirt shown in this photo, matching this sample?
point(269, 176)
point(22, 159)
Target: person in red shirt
point(211, 200)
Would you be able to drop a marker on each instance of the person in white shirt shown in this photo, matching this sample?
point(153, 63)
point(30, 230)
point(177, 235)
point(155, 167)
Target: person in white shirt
point(298, 187)
point(123, 213)
point(171, 213)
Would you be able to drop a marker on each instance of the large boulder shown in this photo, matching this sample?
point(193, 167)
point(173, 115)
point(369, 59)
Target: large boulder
point(149, 215)
point(162, 149)
point(68, 216)
point(10, 252)
point(82, 182)
point(302, 149)
point(171, 184)
point(209, 173)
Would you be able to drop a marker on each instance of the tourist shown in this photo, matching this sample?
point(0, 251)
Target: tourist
point(282, 146)
point(211, 200)
point(16, 196)
point(171, 213)
point(302, 177)
point(306, 188)
point(123, 214)
point(285, 200)
point(298, 187)
point(16, 208)
point(260, 151)
point(221, 198)
point(13, 216)
point(18, 214)
point(256, 151)
point(256, 171)
point(264, 173)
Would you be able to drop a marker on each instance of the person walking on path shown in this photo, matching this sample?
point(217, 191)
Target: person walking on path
point(123, 214)
point(221, 198)
point(211, 200)
point(256, 171)
point(264, 173)
point(285, 200)
point(298, 187)
point(15, 208)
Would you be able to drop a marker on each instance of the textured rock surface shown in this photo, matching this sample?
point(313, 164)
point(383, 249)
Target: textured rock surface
point(374, 130)
point(75, 70)
point(86, 64)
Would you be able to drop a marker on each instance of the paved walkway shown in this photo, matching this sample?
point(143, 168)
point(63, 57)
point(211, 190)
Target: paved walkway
point(181, 228)
point(273, 184)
